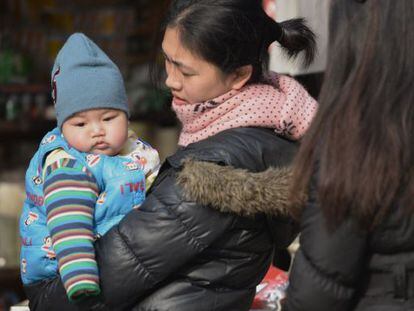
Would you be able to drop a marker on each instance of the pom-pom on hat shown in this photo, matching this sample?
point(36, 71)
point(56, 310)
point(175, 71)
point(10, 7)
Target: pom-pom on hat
point(84, 78)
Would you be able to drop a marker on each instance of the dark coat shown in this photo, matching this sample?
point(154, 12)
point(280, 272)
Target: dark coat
point(177, 252)
point(351, 268)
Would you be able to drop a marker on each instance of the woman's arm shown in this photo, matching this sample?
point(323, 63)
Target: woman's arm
point(153, 242)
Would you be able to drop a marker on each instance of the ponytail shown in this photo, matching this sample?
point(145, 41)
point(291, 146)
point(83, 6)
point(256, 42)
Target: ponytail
point(294, 37)
point(235, 33)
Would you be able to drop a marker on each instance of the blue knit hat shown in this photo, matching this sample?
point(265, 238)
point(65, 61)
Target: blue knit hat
point(83, 78)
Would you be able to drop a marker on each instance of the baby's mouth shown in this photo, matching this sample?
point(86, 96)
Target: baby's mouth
point(100, 145)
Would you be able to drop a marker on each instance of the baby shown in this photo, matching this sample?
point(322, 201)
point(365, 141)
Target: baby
point(86, 175)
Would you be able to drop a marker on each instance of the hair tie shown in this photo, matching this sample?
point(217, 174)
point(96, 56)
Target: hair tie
point(275, 31)
point(278, 31)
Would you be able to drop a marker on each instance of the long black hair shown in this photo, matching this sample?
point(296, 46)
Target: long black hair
point(361, 142)
point(234, 33)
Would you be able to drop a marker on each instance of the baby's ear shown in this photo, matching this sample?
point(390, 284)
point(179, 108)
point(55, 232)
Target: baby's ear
point(241, 76)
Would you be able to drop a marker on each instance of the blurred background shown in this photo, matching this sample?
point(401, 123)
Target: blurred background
point(31, 34)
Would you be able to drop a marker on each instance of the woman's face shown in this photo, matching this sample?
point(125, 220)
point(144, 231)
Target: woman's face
point(190, 78)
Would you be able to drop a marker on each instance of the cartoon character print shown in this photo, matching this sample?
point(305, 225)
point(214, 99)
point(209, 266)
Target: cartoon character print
point(37, 180)
point(140, 160)
point(31, 218)
point(101, 198)
point(131, 166)
point(23, 265)
point(93, 159)
point(48, 139)
point(47, 247)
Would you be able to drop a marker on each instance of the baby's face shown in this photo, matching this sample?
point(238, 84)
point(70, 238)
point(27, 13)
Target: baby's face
point(98, 131)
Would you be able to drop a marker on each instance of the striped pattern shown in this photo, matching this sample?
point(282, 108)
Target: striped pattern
point(70, 196)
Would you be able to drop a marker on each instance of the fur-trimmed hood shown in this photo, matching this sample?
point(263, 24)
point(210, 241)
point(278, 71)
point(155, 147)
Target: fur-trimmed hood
point(237, 190)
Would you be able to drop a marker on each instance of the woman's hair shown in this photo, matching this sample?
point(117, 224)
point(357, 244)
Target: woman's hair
point(360, 147)
point(234, 33)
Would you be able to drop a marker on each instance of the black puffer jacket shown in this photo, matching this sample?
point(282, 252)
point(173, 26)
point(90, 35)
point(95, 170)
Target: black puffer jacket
point(175, 254)
point(351, 269)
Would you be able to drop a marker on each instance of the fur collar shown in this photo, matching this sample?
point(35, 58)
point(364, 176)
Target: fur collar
point(237, 190)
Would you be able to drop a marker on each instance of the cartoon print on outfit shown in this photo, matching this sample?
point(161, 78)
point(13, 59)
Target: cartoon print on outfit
point(47, 247)
point(31, 218)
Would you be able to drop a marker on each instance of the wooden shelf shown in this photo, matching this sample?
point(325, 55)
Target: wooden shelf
point(24, 88)
point(32, 130)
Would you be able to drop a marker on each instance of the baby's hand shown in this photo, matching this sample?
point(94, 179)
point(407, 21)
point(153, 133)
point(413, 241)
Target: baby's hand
point(84, 293)
point(87, 300)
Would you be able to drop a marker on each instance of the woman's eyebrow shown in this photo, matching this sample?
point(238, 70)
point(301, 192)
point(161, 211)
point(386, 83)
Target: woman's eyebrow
point(177, 63)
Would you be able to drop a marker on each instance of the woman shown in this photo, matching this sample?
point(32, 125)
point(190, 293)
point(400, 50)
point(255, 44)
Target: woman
point(175, 252)
point(357, 229)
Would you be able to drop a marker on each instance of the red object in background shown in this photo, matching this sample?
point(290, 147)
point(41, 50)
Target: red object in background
point(271, 290)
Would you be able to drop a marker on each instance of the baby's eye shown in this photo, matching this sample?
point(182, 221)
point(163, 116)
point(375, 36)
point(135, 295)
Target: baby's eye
point(109, 118)
point(80, 124)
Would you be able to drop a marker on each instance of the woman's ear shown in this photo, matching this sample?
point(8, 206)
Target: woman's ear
point(241, 76)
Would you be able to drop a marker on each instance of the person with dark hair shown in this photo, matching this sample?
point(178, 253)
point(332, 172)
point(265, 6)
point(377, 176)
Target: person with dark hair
point(356, 164)
point(180, 250)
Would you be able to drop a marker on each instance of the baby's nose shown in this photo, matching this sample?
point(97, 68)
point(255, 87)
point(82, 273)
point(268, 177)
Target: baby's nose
point(97, 129)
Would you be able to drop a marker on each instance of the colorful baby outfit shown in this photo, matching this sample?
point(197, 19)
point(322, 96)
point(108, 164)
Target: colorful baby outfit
point(107, 188)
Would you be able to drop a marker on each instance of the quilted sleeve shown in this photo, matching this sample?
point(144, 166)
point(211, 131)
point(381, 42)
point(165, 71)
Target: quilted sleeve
point(328, 265)
point(154, 241)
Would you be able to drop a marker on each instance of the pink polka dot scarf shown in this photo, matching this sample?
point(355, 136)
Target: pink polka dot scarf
point(283, 105)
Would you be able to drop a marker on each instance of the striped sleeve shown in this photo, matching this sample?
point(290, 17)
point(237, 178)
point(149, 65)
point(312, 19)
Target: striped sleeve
point(70, 196)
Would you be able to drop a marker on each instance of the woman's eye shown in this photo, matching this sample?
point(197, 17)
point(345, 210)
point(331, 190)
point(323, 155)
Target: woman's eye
point(187, 74)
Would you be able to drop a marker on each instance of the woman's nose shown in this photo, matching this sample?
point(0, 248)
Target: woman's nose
point(172, 81)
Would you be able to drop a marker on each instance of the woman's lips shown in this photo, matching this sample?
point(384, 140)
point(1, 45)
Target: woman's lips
point(179, 101)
